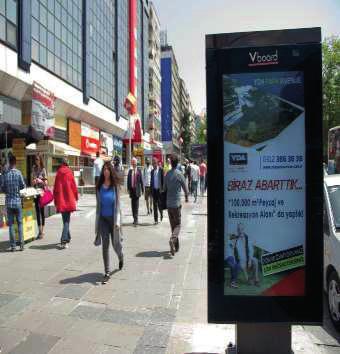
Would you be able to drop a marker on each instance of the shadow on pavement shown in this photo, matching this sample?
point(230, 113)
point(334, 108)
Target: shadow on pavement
point(91, 278)
point(139, 224)
point(151, 254)
point(46, 247)
point(4, 246)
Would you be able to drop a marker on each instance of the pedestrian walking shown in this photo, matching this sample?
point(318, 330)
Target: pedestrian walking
point(108, 217)
point(203, 172)
point(11, 183)
point(39, 181)
point(174, 182)
point(65, 199)
point(194, 179)
point(157, 182)
point(188, 174)
point(118, 168)
point(147, 185)
point(135, 188)
point(97, 165)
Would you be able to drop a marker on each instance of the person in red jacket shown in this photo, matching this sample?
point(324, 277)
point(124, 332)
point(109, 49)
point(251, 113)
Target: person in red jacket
point(65, 199)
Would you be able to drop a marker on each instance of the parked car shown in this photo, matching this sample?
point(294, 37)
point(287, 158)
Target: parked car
point(331, 229)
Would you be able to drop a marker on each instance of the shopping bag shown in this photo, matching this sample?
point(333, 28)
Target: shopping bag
point(163, 200)
point(46, 197)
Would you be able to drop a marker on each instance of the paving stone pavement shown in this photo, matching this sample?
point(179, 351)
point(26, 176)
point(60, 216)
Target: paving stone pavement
point(52, 300)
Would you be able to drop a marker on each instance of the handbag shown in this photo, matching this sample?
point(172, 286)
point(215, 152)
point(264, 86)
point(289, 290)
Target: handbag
point(46, 197)
point(163, 200)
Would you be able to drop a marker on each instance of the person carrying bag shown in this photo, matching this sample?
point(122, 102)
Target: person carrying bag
point(39, 181)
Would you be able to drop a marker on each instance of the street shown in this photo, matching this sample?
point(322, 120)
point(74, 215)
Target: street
point(52, 300)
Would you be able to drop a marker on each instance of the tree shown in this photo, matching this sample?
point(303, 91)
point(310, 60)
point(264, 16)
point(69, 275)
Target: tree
point(202, 133)
point(186, 133)
point(331, 85)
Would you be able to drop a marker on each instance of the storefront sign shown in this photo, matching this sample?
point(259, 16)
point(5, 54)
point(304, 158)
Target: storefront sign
point(43, 110)
point(89, 140)
point(74, 134)
point(106, 144)
point(264, 226)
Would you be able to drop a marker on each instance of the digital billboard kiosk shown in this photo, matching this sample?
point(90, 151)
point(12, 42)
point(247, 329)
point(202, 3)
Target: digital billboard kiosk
point(265, 236)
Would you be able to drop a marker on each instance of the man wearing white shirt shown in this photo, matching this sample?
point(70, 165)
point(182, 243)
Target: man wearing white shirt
point(194, 179)
point(98, 165)
point(147, 185)
point(157, 181)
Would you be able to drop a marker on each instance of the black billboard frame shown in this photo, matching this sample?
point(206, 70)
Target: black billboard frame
point(220, 59)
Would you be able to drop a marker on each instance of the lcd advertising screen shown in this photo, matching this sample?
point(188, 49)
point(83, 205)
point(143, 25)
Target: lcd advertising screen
point(264, 183)
point(264, 129)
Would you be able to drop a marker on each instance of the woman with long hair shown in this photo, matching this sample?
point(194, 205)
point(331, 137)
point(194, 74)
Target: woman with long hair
point(108, 216)
point(39, 180)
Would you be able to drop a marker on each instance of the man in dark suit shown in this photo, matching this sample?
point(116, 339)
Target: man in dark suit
point(157, 181)
point(136, 189)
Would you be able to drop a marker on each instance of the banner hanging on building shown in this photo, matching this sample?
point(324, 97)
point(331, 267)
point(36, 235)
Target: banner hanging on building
point(264, 181)
point(43, 110)
point(89, 139)
point(106, 144)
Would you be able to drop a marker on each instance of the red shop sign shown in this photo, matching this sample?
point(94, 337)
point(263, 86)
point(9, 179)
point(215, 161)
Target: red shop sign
point(89, 140)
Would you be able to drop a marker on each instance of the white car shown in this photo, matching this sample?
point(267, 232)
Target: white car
point(331, 230)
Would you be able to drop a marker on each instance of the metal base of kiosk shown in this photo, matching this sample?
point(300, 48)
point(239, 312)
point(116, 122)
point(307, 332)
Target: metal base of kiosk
point(263, 338)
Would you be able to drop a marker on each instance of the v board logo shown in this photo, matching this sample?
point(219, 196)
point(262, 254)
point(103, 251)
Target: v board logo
point(260, 59)
point(238, 159)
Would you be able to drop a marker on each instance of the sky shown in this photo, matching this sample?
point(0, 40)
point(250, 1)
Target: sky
point(188, 21)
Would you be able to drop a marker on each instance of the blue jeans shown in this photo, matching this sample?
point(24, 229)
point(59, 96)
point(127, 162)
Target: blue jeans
point(11, 213)
point(66, 236)
point(234, 267)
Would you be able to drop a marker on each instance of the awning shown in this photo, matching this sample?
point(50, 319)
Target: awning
point(53, 148)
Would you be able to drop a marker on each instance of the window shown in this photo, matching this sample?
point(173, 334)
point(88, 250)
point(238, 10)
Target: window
point(3, 7)
point(8, 22)
point(102, 44)
point(11, 11)
point(56, 41)
point(11, 34)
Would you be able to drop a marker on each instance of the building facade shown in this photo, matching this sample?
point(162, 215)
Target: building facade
point(170, 94)
point(186, 108)
point(154, 125)
point(79, 51)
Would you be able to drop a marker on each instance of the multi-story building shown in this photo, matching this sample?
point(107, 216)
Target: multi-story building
point(171, 110)
point(78, 50)
point(186, 109)
point(155, 79)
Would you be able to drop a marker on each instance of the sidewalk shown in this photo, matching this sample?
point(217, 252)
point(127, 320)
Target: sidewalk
point(52, 301)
